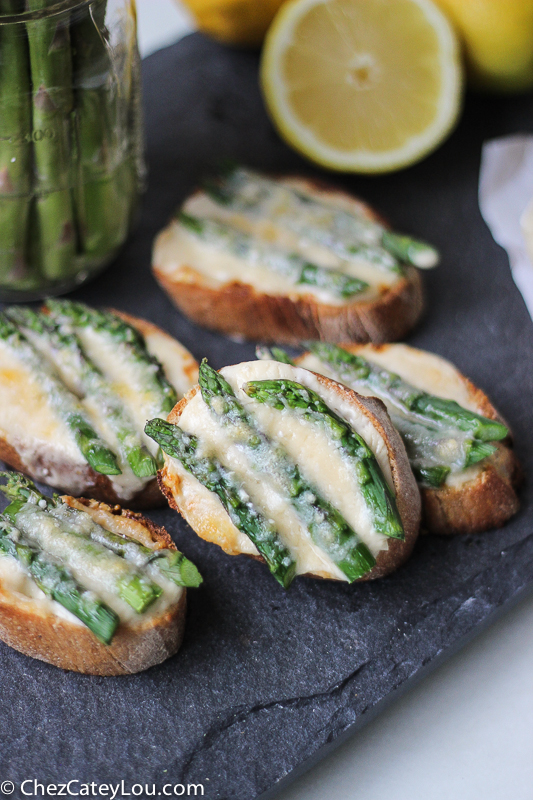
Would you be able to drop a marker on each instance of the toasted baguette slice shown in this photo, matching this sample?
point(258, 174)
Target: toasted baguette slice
point(226, 295)
point(35, 441)
point(41, 628)
point(484, 495)
point(318, 460)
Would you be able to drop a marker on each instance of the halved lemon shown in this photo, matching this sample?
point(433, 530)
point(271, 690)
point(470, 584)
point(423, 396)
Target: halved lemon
point(362, 85)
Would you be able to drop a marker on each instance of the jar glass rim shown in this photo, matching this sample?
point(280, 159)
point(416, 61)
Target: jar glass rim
point(43, 13)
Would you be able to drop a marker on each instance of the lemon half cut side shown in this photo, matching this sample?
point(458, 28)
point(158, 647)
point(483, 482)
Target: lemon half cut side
point(362, 85)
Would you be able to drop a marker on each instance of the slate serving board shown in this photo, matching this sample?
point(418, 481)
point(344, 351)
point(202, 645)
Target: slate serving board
point(266, 678)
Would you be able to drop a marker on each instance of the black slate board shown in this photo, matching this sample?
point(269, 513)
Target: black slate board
point(266, 679)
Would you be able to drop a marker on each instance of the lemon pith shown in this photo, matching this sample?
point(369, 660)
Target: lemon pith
point(362, 85)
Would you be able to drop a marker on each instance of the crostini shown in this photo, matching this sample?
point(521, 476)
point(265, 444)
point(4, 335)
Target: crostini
point(87, 587)
point(459, 446)
point(76, 388)
point(293, 468)
point(287, 260)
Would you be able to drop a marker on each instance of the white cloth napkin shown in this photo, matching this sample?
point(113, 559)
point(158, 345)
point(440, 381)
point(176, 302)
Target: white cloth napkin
point(505, 190)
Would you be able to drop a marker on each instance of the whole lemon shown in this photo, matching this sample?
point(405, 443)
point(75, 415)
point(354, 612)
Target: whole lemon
point(497, 36)
point(239, 22)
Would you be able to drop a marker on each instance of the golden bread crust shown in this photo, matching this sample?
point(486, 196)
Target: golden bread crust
point(238, 310)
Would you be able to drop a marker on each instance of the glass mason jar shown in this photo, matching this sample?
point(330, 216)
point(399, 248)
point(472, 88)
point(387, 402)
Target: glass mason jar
point(71, 149)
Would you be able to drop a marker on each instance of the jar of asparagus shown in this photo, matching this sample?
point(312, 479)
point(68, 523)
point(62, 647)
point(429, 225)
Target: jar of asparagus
point(71, 155)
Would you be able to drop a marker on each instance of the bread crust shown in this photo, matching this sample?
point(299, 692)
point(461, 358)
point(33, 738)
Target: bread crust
point(81, 478)
point(407, 493)
point(490, 499)
point(39, 633)
point(236, 309)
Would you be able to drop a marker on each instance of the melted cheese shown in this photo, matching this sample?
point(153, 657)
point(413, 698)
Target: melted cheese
point(180, 367)
point(265, 228)
point(318, 458)
point(46, 445)
point(30, 425)
point(177, 252)
point(20, 587)
point(425, 371)
point(95, 567)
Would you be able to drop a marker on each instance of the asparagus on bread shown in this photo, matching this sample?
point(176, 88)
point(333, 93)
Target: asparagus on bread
point(273, 461)
point(458, 445)
point(285, 260)
point(88, 587)
point(76, 388)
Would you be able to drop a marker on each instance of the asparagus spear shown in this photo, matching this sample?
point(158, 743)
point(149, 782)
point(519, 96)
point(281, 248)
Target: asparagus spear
point(411, 251)
point(31, 512)
point(273, 354)
point(215, 477)
point(170, 563)
point(147, 375)
point(344, 232)
point(51, 74)
point(58, 583)
point(78, 372)
point(65, 404)
point(405, 396)
point(281, 394)
point(15, 150)
point(102, 206)
point(439, 434)
point(256, 253)
point(327, 526)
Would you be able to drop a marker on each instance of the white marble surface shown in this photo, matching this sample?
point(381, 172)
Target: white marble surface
point(466, 731)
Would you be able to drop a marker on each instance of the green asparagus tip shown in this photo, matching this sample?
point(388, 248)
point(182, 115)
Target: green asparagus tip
point(211, 382)
point(21, 490)
point(190, 575)
point(19, 487)
point(160, 431)
point(285, 574)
